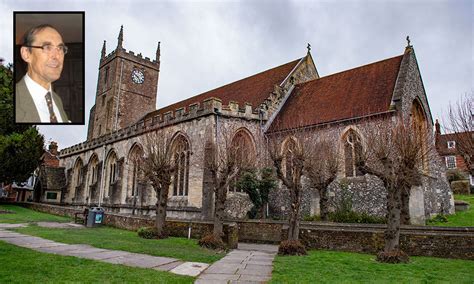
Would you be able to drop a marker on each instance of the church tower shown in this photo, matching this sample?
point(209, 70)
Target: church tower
point(126, 89)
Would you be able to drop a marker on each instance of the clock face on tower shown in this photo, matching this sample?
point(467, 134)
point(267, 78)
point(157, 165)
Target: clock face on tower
point(137, 76)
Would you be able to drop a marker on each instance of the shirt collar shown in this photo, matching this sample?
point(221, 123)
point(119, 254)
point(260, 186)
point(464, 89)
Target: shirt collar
point(35, 88)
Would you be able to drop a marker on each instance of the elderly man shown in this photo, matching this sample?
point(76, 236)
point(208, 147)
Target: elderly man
point(43, 49)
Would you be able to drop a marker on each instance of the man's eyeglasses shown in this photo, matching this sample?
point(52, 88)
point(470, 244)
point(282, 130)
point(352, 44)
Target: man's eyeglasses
point(49, 48)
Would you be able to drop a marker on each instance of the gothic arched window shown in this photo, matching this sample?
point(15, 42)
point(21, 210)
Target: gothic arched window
point(290, 148)
point(78, 172)
point(420, 128)
point(134, 172)
point(181, 155)
point(110, 172)
point(77, 179)
point(244, 151)
point(352, 149)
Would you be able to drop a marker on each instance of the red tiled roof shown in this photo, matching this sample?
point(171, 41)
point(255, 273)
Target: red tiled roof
point(357, 92)
point(254, 89)
point(442, 143)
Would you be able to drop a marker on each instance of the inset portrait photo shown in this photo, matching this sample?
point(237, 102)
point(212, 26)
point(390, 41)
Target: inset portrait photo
point(49, 67)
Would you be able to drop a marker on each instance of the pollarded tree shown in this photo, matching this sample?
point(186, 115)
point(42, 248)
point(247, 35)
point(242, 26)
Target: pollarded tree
point(159, 167)
point(225, 157)
point(396, 152)
point(321, 167)
point(288, 154)
point(460, 122)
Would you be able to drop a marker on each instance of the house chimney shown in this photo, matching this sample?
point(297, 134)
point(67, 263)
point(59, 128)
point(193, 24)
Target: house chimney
point(53, 148)
point(437, 128)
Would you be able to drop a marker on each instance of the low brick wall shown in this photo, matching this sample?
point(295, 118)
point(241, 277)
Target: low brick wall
point(368, 238)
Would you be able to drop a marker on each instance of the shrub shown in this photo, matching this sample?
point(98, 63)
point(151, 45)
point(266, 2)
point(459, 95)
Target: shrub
point(312, 218)
point(460, 187)
point(454, 175)
point(149, 233)
point(291, 247)
point(355, 217)
point(212, 242)
point(440, 218)
point(396, 256)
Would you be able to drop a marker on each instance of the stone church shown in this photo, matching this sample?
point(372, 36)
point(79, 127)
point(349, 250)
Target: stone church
point(103, 169)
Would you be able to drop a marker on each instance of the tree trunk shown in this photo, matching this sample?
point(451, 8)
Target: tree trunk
point(160, 219)
point(219, 205)
point(405, 206)
point(323, 203)
point(293, 221)
point(392, 233)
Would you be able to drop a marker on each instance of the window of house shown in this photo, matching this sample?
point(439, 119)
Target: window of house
point(451, 144)
point(450, 162)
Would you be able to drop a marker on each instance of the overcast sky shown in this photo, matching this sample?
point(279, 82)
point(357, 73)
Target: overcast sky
point(207, 44)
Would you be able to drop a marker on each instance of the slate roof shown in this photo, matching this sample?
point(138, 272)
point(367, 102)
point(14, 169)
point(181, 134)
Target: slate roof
point(254, 89)
point(353, 93)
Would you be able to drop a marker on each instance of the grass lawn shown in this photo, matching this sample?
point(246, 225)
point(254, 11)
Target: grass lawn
point(21, 265)
point(24, 215)
point(460, 219)
point(344, 267)
point(117, 239)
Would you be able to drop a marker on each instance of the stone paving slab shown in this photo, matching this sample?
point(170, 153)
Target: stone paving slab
point(8, 226)
point(60, 225)
point(221, 277)
point(63, 250)
point(255, 278)
point(168, 266)
point(190, 268)
point(143, 261)
point(86, 253)
point(5, 234)
point(108, 254)
point(250, 263)
point(258, 247)
point(43, 245)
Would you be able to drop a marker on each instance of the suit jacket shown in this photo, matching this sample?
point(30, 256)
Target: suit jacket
point(25, 107)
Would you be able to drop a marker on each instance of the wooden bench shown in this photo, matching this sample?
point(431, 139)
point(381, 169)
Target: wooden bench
point(81, 216)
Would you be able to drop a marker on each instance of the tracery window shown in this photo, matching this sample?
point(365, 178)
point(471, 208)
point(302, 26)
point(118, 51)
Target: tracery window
point(134, 172)
point(244, 151)
point(181, 155)
point(111, 172)
point(352, 149)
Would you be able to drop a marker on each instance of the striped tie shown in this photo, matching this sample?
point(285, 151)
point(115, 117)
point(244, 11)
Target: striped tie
point(52, 116)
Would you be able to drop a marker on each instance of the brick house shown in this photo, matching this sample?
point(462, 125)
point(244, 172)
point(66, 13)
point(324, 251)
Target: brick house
point(446, 147)
point(103, 169)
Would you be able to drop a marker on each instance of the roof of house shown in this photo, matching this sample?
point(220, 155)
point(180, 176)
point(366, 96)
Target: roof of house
point(442, 143)
point(357, 92)
point(254, 89)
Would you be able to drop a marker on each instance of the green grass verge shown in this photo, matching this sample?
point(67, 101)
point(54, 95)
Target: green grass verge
point(24, 215)
point(344, 267)
point(117, 239)
point(459, 219)
point(21, 265)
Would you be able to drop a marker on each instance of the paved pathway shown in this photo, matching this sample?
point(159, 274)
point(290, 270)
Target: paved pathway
point(112, 256)
point(250, 263)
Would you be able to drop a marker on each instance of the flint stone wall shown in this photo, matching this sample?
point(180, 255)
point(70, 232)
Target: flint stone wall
point(416, 241)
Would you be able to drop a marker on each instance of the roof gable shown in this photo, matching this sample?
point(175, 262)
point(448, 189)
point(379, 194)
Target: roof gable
point(357, 92)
